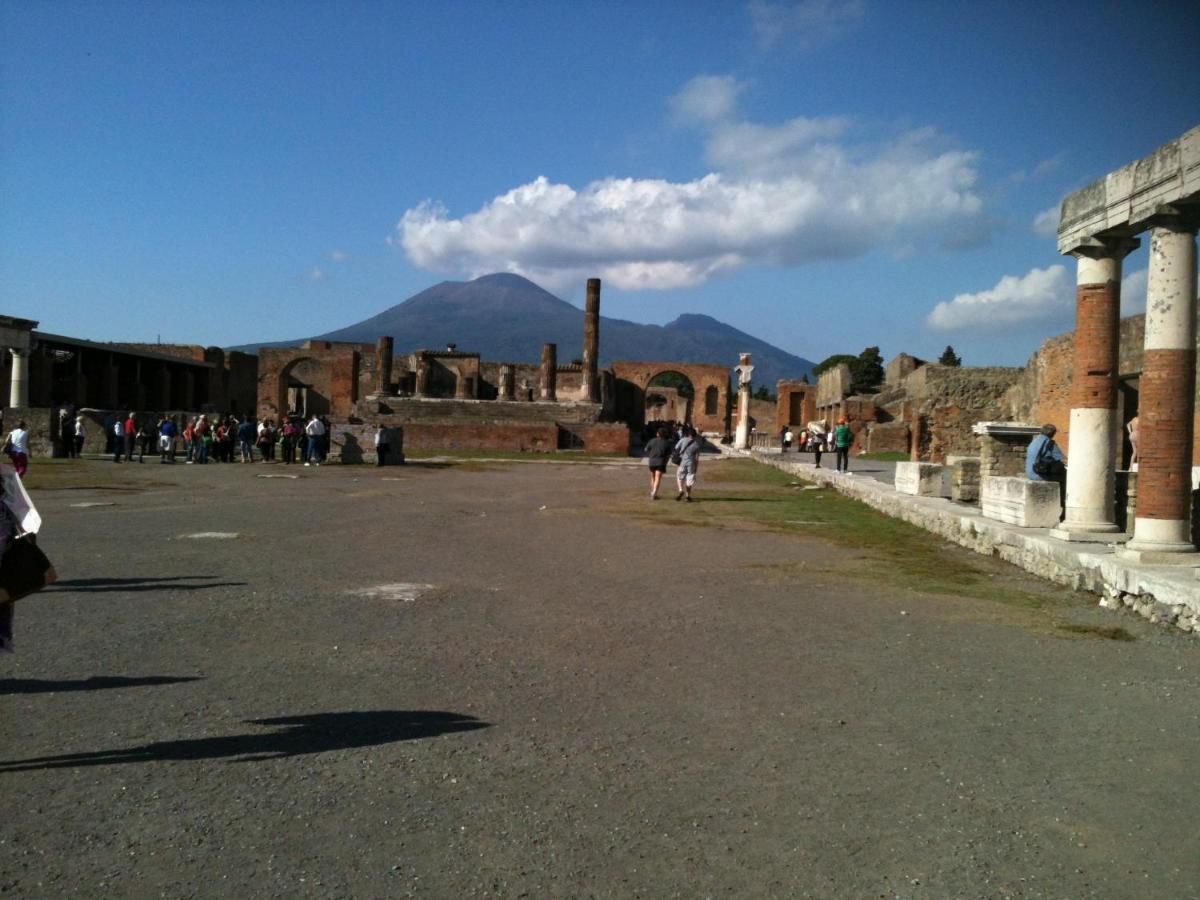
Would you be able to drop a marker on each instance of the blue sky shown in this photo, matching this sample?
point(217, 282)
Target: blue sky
point(825, 175)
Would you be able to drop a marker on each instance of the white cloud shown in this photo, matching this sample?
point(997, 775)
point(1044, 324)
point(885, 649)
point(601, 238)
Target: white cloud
point(338, 256)
point(316, 274)
point(707, 98)
point(804, 24)
point(1040, 295)
point(1133, 292)
point(785, 195)
point(1045, 223)
point(1042, 169)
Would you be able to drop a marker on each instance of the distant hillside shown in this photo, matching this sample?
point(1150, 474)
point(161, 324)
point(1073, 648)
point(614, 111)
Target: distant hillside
point(507, 317)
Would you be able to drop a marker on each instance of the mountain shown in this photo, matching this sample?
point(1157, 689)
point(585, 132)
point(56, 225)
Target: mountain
point(507, 317)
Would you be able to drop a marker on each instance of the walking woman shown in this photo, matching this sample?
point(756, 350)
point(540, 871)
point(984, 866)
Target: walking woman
point(688, 453)
point(658, 450)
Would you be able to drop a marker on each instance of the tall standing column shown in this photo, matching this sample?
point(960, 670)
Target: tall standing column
point(18, 392)
point(421, 385)
point(1162, 527)
point(383, 365)
point(548, 383)
point(591, 342)
point(1091, 478)
point(745, 371)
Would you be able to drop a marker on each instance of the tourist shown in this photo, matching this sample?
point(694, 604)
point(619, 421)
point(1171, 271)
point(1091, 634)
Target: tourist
point(315, 430)
point(245, 434)
point(189, 435)
point(658, 450)
point(816, 440)
point(288, 442)
point(17, 447)
point(1044, 461)
point(130, 430)
point(143, 442)
point(80, 437)
point(688, 452)
point(202, 440)
point(166, 440)
point(266, 440)
point(783, 440)
point(118, 439)
point(843, 437)
point(66, 434)
point(381, 445)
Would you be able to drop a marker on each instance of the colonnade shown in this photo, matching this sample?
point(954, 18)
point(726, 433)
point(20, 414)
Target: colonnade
point(1099, 227)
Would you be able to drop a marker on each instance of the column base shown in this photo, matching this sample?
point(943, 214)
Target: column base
point(1155, 553)
point(1106, 534)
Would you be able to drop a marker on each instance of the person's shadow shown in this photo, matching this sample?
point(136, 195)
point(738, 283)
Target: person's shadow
point(312, 733)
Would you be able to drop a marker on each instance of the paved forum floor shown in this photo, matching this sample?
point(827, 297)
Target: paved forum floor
point(558, 695)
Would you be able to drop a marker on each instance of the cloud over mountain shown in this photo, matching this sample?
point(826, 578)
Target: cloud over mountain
point(785, 194)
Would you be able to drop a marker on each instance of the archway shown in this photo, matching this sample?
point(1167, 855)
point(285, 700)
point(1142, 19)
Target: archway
point(303, 388)
point(670, 396)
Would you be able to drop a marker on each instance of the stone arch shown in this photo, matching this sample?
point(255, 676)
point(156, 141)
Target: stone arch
point(303, 388)
point(632, 379)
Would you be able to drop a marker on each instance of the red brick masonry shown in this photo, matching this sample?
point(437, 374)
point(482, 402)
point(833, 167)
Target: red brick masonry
point(1165, 447)
point(1097, 318)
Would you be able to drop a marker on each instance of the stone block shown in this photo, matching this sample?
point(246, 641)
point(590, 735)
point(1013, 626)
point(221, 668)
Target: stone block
point(921, 479)
point(1019, 501)
point(964, 479)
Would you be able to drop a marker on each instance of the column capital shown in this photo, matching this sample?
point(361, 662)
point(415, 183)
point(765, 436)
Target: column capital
point(1115, 247)
point(1175, 217)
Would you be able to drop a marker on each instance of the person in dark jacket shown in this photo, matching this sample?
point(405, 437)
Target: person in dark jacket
point(658, 451)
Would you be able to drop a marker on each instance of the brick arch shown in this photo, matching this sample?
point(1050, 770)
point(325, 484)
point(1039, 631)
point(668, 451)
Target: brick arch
point(633, 378)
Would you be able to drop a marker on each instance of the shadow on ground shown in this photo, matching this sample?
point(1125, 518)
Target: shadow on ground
point(95, 683)
point(313, 733)
point(129, 585)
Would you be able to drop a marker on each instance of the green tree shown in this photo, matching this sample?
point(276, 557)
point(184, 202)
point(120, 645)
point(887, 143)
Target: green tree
point(830, 362)
point(866, 372)
point(676, 380)
point(949, 357)
point(763, 393)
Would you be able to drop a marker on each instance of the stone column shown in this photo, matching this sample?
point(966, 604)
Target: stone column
point(591, 342)
point(1091, 475)
point(421, 388)
point(548, 382)
point(18, 392)
point(745, 371)
point(1161, 531)
point(508, 383)
point(383, 365)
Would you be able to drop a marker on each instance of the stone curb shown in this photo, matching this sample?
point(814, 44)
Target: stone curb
point(1167, 594)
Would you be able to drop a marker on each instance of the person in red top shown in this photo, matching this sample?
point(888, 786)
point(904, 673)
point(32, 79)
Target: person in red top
point(130, 435)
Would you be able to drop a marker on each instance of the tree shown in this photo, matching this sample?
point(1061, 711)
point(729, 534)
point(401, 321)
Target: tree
point(949, 357)
point(676, 380)
point(763, 393)
point(830, 362)
point(866, 372)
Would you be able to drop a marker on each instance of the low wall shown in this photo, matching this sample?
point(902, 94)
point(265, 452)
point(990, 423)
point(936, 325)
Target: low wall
point(1166, 594)
point(434, 436)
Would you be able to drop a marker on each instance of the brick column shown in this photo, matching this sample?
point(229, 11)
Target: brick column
point(1091, 475)
point(591, 342)
point(1162, 527)
point(548, 383)
point(383, 365)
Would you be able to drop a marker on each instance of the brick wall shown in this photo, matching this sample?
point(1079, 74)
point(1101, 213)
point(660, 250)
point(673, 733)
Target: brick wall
point(446, 436)
point(885, 437)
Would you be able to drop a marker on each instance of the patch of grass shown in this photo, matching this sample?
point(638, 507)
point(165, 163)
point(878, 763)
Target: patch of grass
point(886, 456)
point(893, 552)
point(1103, 632)
point(560, 456)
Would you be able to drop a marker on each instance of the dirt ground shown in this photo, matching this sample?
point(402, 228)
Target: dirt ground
point(527, 680)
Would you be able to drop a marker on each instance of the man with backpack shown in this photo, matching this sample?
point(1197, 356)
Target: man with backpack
point(1044, 461)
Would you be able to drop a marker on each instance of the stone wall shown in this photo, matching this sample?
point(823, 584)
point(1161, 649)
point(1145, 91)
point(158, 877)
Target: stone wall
point(481, 436)
point(354, 442)
point(888, 437)
point(632, 379)
point(796, 403)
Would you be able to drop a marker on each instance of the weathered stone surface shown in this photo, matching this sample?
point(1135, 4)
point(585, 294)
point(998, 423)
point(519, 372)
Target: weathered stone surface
point(1019, 501)
point(921, 479)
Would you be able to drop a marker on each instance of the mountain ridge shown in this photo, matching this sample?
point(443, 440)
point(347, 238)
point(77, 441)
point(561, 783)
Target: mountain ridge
point(506, 317)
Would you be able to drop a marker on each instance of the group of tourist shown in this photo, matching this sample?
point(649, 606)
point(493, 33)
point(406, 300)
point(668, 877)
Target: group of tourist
point(221, 440)
point(815, 438)
point(681, 448)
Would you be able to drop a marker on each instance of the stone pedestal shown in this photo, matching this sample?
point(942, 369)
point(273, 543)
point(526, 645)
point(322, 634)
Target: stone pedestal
point(1019, 501)
point(920, 479)
point(964, 478)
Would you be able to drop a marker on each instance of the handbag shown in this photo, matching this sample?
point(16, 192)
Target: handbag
point(1046, 467)
point(24, 570)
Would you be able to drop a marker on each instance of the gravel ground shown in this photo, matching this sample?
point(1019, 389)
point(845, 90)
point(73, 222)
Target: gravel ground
point(493, 681)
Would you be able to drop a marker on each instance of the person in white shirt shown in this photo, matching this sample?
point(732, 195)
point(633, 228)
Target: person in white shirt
point(17, 444)
point(381, 445)
point(315, 430)
point(80, 437)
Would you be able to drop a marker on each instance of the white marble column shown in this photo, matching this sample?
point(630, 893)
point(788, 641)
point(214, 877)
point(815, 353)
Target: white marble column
point(18, 394)
point(745, 372)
